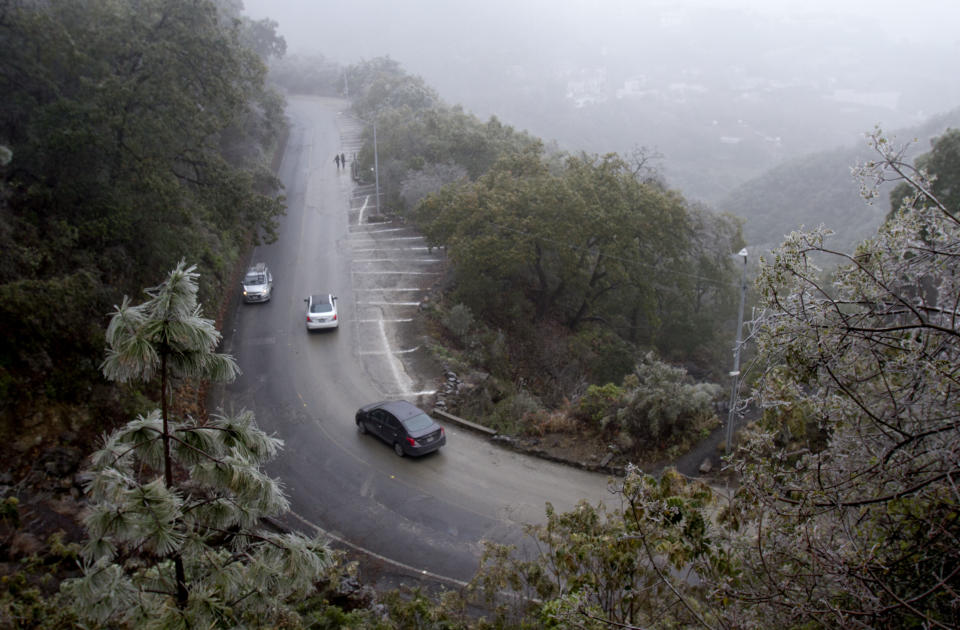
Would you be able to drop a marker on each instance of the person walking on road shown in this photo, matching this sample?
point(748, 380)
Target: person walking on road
point(343, 160)
point(336, 158)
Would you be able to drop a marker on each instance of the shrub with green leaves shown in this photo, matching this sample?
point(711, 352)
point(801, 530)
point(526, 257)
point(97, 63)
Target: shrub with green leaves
point(459, 320)
point(599, 402)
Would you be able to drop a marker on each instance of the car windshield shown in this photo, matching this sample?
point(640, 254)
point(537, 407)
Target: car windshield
point(254, 278)
point(321, 307)
point(418, 422)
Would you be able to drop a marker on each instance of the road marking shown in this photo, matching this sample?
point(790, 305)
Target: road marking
point(403, 260)
point(390, 249)
point(389, 321)
point(388, 351)
point(397, 273)
point(426, 392)
point(365, 200)
point(374, 231)
point(392, 238)
point(373, 554)
point(395, 366)
point(389, 289)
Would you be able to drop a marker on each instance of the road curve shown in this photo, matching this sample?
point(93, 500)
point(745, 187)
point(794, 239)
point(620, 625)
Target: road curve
point(428, 514)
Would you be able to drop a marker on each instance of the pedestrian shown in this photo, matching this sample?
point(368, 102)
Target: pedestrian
point(336, 158)
point(343, 160)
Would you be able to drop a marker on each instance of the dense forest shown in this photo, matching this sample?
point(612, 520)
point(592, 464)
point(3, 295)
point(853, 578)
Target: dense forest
point(565, 271)
point(135, 136)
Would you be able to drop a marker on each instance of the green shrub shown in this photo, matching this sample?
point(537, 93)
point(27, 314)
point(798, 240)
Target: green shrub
point(509, 414)
point(599, 402)
point(458, 320)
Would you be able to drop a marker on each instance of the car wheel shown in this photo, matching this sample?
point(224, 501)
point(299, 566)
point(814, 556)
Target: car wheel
point(362, 427)
point(398, 449)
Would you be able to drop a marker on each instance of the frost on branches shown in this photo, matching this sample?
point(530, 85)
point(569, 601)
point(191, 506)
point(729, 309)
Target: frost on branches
point(176, 536)
point(848, 508)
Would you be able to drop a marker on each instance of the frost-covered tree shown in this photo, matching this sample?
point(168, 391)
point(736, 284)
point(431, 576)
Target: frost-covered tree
point(175, 524)
point(848, 511)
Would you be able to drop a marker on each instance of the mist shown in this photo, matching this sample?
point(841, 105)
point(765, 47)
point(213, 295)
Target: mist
point(722, 90)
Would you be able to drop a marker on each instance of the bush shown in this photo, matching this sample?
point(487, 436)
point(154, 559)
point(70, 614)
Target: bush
point(661, 404)
point(600, 402)
point(544, 421)
point(458, 320)
point(510, 414)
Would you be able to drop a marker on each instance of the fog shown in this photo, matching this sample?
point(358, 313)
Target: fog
point(721, 89)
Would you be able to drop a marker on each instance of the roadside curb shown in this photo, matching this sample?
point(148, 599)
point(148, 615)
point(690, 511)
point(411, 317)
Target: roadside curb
point(516, 445)
point(466, 423)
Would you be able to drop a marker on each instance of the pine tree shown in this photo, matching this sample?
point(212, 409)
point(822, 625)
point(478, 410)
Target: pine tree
point(175, 525)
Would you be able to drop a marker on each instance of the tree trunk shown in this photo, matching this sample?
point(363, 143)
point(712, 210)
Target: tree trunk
point(183, 595)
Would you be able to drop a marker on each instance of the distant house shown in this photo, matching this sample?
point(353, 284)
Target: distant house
point(587, 86)
point(634, 87)
point(680, 92)
point(887, 100)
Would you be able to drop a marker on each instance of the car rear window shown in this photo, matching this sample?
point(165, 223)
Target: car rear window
point(418, 422)
point(321, 307)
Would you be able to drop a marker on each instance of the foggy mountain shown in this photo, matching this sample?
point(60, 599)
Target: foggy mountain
point(724, 90)
point(819, 188)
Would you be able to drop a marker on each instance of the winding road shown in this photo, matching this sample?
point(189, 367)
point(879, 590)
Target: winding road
point(425, 516)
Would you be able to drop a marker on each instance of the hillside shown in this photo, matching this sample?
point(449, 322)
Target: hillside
point(820, 188)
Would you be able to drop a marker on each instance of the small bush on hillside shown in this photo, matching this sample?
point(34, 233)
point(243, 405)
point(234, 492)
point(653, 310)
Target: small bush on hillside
point(510, 414)
point(459, 320)
point(497, 354)
point(600, 401)
point(544, 421)
point(661, 404)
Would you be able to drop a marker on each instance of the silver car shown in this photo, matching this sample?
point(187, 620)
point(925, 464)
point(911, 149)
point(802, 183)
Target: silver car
point(321, 311)
point(257, 284)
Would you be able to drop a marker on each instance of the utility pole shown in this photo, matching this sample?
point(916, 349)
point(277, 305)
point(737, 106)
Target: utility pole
point(735, 373)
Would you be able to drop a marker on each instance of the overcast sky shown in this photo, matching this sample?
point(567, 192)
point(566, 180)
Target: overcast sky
point(348, 30)
point(800, 75)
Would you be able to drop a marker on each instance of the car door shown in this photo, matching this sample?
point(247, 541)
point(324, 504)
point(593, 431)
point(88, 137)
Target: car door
point(376, 424)
point(392, 429)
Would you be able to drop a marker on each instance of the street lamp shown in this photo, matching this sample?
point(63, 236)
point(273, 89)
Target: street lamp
point(376, 162)
point(735, 373)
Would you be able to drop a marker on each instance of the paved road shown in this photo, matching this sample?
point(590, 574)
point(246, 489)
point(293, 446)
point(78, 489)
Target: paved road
point(428, 514)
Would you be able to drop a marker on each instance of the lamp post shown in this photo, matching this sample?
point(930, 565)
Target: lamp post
point(735, 373)
point(376, 162)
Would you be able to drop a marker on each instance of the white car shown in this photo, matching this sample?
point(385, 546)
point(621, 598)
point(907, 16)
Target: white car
point(321, 311)
point(257, 284)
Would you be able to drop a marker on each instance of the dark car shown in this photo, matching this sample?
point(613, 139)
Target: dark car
point(404, 426)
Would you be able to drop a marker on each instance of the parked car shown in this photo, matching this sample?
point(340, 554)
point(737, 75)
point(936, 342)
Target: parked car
point(402, 425)
point(321, 311)
point(257, 284)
